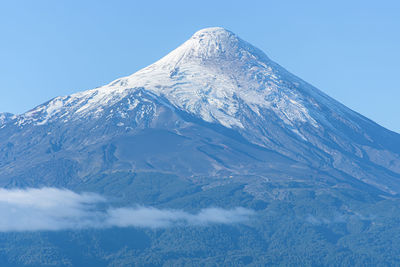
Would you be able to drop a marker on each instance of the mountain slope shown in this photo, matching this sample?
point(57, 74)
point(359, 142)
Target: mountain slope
point(5, 117)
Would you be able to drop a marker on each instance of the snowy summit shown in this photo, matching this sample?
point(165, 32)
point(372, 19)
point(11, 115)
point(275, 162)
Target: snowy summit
point(211, 75)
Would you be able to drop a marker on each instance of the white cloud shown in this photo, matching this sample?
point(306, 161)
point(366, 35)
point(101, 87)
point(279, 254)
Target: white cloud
point(154, 218)
point(57, 209)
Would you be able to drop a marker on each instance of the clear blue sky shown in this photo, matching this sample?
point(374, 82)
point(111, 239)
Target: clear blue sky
point(348, 49)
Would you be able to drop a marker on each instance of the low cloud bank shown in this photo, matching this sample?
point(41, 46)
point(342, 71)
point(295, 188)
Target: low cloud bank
point(156, 218)
point(56, 209)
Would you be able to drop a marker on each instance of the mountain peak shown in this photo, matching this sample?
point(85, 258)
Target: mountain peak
point(213, 44)
point(214, 72)
point(214, 75)
point(217, 34)
point(213, 31)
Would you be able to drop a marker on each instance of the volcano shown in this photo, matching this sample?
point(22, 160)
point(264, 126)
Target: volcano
point(214, 123)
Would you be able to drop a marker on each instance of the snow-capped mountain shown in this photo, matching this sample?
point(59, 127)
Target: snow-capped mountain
point(210, 76)
point(215, 123)
point(219, 79)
